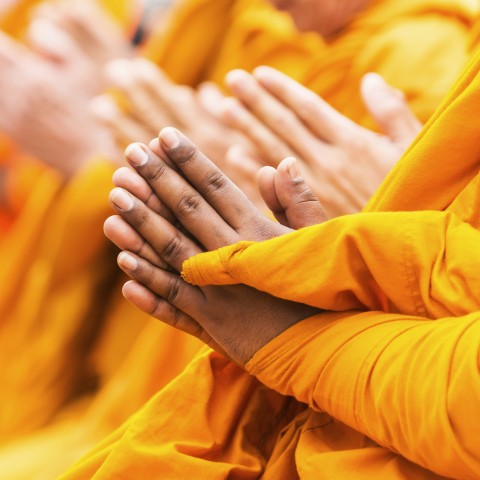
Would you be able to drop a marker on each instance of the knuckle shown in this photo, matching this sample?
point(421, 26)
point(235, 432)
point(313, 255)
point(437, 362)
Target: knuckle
point(155, 172)
point(189, 204)
point(184, 153)
point(355, 143)
point(214, 183)
point(172, 289)
point(283, 122)
point(303, 193)
point(307, 109)
point(172, 248)
point(142, 217)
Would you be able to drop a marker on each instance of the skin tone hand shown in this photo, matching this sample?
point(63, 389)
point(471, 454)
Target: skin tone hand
point(177, 204)
point(153, 101)
point(343, 162)
point(40, 113)
point(87, 26)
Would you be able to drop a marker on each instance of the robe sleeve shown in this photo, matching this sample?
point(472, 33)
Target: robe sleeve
point(416, 263)
point(409, 383)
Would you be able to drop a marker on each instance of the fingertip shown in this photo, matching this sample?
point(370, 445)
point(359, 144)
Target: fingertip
point(103, 107)
point(139, 295)
point(236, 80)
point(266, 186)
point(119, 176)
point(121, 199)
point(169, 137)
point(109, 226)
point(289, 166)
point(265, 75)
point(136, 154)
point(127, 261)
point(154, 145)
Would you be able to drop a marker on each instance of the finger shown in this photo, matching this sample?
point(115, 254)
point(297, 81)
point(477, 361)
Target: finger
point(123, 127)
point(125, 237)
point(179, 297)
point(390, 110)
point(323, 120)
point(278, 117)
point(186, 203)
point(266, 187)
point(52, 42)
point(175, 100)
point(243, 161)
point(222, 198)
point(142, 102)
point(243, 168)
point(167, 241)
point(271, 146)
point(210, 97)
point(131, 181)
point(154, 305)
point(302, 208)
point(155, 147)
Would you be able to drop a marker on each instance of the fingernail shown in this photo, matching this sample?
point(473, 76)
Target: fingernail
point(136, 155)
point(129, 262)
point(292, 168)
point(374, 85)
point(236, 80)
point(169, 138)
point(122, 199)
point(263, 75)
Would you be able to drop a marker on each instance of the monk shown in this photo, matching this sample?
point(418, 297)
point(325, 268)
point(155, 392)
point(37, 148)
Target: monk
point(364, 364)
point(89, 295)
point(389, 34)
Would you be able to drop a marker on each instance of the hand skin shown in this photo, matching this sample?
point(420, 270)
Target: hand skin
point(87, 26)
point(342, 162)
point(41, 115)
point(152, 101)
point(189, 189)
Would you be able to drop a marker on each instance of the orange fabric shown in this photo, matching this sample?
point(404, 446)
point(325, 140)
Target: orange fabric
point(14, 19)
point(100, 323)
point(419, 46)
point(376, 394)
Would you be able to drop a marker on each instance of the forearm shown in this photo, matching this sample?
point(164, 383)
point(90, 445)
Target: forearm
point(416, 263)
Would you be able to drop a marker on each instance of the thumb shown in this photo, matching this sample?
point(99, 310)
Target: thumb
point(300, 206)
point(389, 109)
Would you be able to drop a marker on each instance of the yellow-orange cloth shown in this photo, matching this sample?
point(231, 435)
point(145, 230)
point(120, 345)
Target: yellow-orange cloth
point(241, 34)
point(15, 17)
point(374, 394)
point(419, 46)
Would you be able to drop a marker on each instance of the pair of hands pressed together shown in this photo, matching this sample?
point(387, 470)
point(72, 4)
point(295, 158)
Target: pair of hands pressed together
point(50, 79)
point(174, 197)
point(168, 206)
point(270, 117)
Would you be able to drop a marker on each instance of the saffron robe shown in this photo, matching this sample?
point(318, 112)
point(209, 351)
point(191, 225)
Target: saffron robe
point(384, 383)
point(95, 306)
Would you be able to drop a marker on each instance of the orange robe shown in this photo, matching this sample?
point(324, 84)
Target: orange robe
point(386, 386)
point(409, 43)
point(102, 325)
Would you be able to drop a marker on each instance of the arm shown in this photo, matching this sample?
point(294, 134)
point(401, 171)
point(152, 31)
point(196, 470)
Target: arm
point(416, 263)
point(410, 384)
